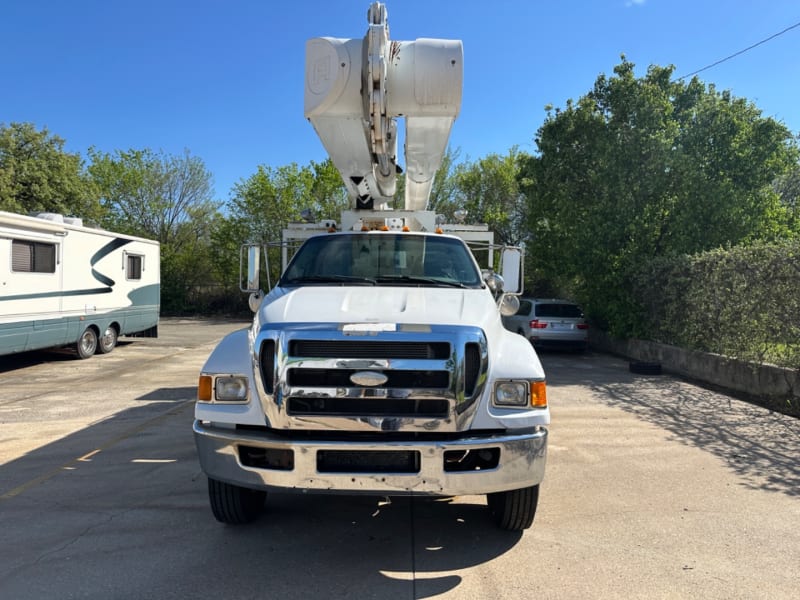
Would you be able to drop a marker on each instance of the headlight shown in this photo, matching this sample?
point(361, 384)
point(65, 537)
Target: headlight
point(231, 389)
point(511, 393)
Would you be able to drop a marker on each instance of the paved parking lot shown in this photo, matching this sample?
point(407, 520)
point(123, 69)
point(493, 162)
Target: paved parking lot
point(655, 488)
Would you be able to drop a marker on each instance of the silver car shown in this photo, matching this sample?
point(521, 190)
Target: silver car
point(550, 323)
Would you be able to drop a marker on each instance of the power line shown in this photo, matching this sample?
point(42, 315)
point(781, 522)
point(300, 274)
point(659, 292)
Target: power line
point(735, 54)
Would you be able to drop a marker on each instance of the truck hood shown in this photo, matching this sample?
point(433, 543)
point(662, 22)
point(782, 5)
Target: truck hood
point(324, 304)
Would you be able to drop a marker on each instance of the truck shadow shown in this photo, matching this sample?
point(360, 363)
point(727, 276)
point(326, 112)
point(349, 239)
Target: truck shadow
point(120, 507)
point(367, 547)
point(760, 445)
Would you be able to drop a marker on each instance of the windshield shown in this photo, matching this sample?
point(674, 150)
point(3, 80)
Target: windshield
point(382, 259)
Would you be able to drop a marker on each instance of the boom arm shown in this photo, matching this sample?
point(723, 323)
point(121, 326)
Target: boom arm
point(357, 88)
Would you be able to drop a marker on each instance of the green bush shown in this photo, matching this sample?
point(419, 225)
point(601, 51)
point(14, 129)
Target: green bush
point(742, 302)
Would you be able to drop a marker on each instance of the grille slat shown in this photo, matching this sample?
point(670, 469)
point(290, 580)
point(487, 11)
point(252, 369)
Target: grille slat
point(472, 368)
point(267, 357)
point(368, 407)
point(362, 349)
point(341, 378)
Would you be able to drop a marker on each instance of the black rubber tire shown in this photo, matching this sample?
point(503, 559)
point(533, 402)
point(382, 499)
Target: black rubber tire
point(233, 504)
point(514, 510)
point(108, 341)
point(645, 368)
point(86, 345)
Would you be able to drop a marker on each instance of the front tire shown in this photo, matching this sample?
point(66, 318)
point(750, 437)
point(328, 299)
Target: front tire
point(233, 504)
point(87, 343)
point(514, 510)
point(108, 341)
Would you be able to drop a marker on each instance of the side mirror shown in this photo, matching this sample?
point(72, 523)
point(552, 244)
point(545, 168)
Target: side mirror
point(511, 268)
point(254, 301)
point(253, 268)
point(494, 281)
point(509, 305)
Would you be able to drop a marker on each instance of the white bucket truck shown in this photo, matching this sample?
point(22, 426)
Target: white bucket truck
point(378, 362)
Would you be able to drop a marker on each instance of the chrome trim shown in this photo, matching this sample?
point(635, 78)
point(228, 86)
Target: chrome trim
point(462, 408)
point(368, 378)
point(522, 463)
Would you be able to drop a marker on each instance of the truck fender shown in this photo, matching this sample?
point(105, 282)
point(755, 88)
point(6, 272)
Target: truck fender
point(232, 356)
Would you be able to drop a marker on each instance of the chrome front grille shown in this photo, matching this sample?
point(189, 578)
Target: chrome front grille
point(432, 377)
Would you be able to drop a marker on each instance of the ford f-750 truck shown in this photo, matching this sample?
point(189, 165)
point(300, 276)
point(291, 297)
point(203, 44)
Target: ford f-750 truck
point(378, 362)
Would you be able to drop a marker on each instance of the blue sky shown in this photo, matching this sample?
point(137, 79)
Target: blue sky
point(224, 79)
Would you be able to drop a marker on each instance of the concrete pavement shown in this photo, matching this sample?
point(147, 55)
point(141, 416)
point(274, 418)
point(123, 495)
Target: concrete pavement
point(655, 488)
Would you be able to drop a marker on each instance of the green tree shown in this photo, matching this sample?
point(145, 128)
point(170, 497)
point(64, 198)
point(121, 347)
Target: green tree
point(488, 189)
point(445, 198)
point(265, 203)
point(328, 196)
point(155, 195)
point(787, 186)
point(38, 175)
point(645, 167)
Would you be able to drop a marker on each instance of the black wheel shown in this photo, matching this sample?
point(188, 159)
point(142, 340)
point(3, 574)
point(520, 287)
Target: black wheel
point(108, 341)
point(87, 343)
point(514, 510)
point(645, 368)
point(234, 505)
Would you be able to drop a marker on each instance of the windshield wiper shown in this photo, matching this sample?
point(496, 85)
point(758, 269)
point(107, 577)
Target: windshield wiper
point(419, 280)
point(330, 279)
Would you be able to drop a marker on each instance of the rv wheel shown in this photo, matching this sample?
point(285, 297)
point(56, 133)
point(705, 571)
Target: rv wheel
point(108, 341)
point(87, 343)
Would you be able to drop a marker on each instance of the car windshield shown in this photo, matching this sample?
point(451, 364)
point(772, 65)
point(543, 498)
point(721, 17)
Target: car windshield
point(561, 311)
point(382, 259)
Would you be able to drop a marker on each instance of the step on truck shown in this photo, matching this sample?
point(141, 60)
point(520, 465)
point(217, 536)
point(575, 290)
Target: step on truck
point(378, 363)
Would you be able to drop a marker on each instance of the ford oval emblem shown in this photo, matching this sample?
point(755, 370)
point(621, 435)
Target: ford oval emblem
point(370, 378)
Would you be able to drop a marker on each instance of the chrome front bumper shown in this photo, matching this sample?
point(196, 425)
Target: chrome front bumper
point(520, 464)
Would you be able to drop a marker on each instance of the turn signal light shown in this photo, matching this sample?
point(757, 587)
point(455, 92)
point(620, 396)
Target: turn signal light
point(538, 394)
point(204, 387)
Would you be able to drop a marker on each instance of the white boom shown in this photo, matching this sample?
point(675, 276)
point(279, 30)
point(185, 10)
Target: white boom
point(357, 88)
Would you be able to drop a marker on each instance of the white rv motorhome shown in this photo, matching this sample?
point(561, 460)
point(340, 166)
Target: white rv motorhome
point(63, 284)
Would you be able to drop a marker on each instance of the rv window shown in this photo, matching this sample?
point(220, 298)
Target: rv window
point(134, 266)
point(33, 257)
